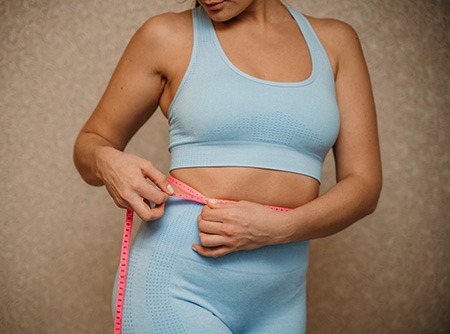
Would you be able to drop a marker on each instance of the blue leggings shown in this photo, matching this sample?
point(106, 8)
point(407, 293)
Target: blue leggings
point(171, 289)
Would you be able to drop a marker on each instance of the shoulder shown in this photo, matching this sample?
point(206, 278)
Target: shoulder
point(163, 38)
point(166, 28)
point(331, 26)
point(339, 38)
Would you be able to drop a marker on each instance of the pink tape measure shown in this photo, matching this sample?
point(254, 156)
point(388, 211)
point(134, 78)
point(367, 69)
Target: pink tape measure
point(192, 195)
point(123, 266)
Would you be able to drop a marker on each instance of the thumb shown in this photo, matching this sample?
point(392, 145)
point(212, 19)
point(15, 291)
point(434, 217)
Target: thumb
point(215, 204)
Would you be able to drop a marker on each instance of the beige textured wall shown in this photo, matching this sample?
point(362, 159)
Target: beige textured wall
point(59, 238)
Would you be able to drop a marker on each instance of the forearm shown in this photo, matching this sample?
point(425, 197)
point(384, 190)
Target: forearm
point(348, 201)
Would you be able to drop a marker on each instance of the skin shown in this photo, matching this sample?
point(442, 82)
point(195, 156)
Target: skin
point(149, 74)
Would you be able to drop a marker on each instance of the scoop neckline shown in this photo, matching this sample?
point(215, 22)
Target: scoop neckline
point(237, 70)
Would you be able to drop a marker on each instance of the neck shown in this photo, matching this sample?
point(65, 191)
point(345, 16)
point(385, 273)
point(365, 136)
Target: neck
point(263, 11)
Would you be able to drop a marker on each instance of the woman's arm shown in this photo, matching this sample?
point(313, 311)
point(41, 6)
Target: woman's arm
point(225, 228)
point(356, 152)
point(130, 98)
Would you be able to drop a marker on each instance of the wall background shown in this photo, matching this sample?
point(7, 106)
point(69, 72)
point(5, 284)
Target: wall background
point(60, 239)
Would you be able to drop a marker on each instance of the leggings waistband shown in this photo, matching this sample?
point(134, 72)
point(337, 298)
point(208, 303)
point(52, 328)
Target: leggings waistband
point(196, 196)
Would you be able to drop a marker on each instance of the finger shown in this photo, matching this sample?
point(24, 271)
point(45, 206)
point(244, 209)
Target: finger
point(211, 240)
point(157, 211)
point(158, 178)
point(212, 252)
point(214, 204)
point(145, 211)
point(210, 227)
point(215, 214)
point(151, 193)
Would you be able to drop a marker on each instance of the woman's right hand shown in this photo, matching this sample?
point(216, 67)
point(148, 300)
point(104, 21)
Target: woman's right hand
point(126, 177)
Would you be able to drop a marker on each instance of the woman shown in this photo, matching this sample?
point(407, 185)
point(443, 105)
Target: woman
point(256, 94)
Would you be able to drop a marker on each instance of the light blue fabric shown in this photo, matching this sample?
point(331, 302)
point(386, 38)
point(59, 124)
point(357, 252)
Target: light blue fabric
point(222, 116)
point(171, 289)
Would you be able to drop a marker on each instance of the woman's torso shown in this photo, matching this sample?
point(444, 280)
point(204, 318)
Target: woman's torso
point(278, 53)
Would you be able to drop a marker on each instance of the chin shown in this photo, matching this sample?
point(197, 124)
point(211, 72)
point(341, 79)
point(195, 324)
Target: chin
point(222, 13)
point(220, 17)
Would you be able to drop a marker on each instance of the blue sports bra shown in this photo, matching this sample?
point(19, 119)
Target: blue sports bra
point(221, 116)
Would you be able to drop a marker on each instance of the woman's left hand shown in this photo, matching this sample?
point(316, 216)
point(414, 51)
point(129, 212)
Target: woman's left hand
point(229, 227)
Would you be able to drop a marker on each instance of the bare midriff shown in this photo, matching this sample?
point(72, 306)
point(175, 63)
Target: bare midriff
point(268, 187)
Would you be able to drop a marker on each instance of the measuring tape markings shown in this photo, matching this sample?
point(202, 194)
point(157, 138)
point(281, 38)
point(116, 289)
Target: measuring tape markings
point(123, 266)
point(192, 195)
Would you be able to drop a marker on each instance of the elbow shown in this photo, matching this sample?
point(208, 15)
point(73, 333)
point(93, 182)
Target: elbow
point(374, 192)
point(367, 190)
point(372, 207)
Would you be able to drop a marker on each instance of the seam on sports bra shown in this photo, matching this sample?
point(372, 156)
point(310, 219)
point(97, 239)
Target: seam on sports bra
point(192, 61)
point(265, 143)
point(328, 68)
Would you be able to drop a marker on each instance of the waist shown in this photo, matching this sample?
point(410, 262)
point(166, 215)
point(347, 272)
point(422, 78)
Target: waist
point(173, 235)
point(263, 186)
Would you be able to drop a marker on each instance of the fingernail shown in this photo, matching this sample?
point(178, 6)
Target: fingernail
point(169, 187)
point(212, 201)
point(194, 249)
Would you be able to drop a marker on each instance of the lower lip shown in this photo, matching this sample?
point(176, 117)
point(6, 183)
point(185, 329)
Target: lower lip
point(216, 6)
